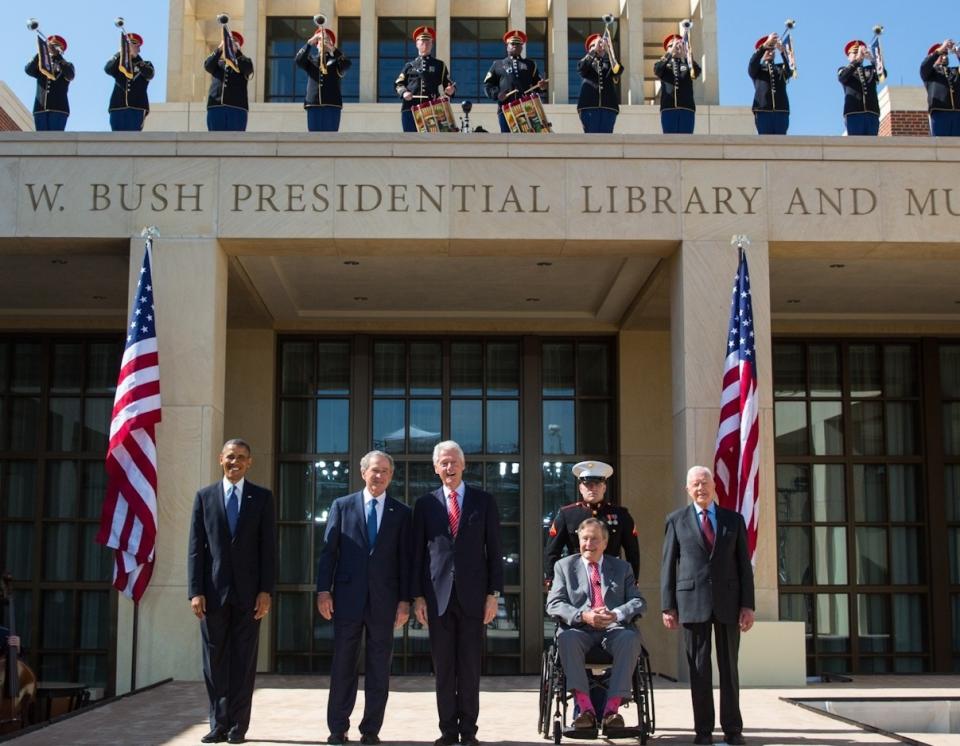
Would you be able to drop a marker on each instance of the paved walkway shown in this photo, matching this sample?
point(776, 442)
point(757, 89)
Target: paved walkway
point(291, 710)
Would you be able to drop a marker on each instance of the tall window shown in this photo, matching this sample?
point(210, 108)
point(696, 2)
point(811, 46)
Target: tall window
point(851, 510)
point(949, 395)
point(348, 41)
point(56, 397)
point(395, 47)
point(475, 44)
point(578, 30)
point(536, 47)
point(285, 82)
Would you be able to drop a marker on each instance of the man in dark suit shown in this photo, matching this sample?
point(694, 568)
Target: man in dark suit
point(596, 599)
point(457, 581)
point(231, 562)
point(706, 583)
point(363, 584)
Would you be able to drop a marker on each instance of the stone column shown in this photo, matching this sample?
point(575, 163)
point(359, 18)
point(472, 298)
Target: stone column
point(631, 51)
point(190, 297)
point(517, 14)
point(708, 87)
point(559, 76)
point(442, 21)
point(368, 52)
point(251, 44)
point(701, 279)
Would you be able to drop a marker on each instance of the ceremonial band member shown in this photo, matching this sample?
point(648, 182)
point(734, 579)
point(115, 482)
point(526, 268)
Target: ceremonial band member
point(129, 104)
point(323, 102)
point(592, 479)
point(678, 110)
point(513, 76)
point(943, 89)
point(599, 101)
point(771, 107)
point(53, 74)
point(227, 102)
point(861, 107)
point(422, 79)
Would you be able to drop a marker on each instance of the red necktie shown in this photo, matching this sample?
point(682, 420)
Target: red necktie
point(454, 514)
point(596, 590)
point(709, 537)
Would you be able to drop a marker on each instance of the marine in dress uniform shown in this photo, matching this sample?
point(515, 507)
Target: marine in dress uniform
point(599, 101)
point(422, 79)
point(50, 107)
point(129, 104)
point(678, 111)
point(771, 107)
point(943, 90)
point(227, 102)
point(323, 102)
point(510, 78)
point(592, 484)
point(861, 108)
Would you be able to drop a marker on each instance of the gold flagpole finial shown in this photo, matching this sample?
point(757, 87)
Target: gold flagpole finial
point(150, 231)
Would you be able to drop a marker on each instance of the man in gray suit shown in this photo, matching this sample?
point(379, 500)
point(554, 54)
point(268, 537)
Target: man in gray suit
point(596, 599)
point(706, 584)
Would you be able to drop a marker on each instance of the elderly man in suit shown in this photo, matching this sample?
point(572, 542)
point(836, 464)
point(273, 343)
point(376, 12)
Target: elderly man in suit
point(706, 584)
point(363, 584)
point(596, 599)
point(457, 582)
point(231, 560)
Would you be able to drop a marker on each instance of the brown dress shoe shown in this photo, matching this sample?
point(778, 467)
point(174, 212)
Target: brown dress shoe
point(586, 720)
point(612, 720)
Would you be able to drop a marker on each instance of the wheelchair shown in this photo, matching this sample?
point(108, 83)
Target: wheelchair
point(555, 700)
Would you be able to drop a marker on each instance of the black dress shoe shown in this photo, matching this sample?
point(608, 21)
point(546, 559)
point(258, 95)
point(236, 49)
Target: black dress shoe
point(371, 738)
point(703, 739)
point(469, 741)
point(337, 738)
point(446, 741)
point(217, 735)
point(734, 739)
point(235, 736)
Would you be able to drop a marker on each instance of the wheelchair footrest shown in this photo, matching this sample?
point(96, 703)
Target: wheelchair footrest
point(593, 733)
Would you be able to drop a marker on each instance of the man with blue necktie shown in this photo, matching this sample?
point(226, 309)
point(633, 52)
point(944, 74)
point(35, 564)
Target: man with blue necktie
point(363, 585)
point(231, 561)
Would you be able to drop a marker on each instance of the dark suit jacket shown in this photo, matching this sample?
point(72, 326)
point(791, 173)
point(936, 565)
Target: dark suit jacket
point(356, 576)
point(570, 594)
point(474, 559)
point(701, 585)
point(231, 569)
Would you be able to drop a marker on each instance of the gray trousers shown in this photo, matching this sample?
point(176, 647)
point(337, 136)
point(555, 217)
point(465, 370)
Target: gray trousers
point(623, 643)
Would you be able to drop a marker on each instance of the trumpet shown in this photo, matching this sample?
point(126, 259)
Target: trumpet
point(49, 66)
point(321, 21)
point(608, 21)
point(685, 26)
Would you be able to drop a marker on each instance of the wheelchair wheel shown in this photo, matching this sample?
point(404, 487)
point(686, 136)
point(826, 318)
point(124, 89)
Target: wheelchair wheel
point(546, 691)
point(557, 731)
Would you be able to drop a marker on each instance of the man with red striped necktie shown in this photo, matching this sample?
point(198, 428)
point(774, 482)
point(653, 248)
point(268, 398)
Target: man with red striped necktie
point(456, 583)
point(596, 599)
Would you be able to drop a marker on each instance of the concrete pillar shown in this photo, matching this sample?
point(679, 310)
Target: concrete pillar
point(190, 297)
point(704, 13)
point(517, 14)
point(252, 30)
point(559, 76)
point(631, 51)
point(368, 51)
point(443, 31)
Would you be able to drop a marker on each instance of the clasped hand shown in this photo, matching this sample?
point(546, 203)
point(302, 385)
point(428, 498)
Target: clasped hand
point(600, 618)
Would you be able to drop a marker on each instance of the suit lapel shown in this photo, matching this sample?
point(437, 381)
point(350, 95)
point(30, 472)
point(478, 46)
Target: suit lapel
point(607, 581)
point(220, 510)
point(359, 518)
point(246, 497)
point(583, 580)
point(693, 522)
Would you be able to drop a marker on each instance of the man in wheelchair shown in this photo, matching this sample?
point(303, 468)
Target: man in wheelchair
point(596, 599)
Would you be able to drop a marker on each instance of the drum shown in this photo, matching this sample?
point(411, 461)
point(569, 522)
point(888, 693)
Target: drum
point(526, 114)
point(435, 115)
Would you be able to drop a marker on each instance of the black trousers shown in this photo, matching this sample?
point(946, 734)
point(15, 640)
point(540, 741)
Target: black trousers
point(456, 644)
point(697, 641)
point(347, 634)
point(230, 636)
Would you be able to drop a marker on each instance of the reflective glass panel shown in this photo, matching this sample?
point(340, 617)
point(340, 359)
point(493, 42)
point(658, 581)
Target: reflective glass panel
point(906, 556)
point(103, 365)
point(829, 495)
point(503, 634)
point(826, 425)
point(867, 428)
point(63, 425)
point(294, 544)
point(793, 551)
point(593, 369)
point(96, 564)
point(62, 483)
point(910, 623)
point(870, 492)
point(558, 434)
point(559, 489)
point(594, 426)
point(865, 370)
point(92, 670)
point(791, 428)
point(389, 368)
point(873, 617)
point(18, 493)
point(333, 368)
point(94, 619)
point(789, 370)
point(950, 371)
point(902, 428)
point(466, 424)
point(510, 538)
point(57, 622)
point(830, 555)
point(293, 609)
point(833, 623)
point(333, 426)
point(824, 361)
point(4, 365)
point(66, 372)
point(426, 362)
point(389, 425)
point(297, 366)
point(503, 482)
point(558, 376)
point(296, 426)
point(466, 369)
point(873, 565)
point(904, 488)
point(951, 429)
point(503, 369)
point(424, 425)
point(26, 368)
point(899, 370)
point(953, 537)
point(793, 493)
point(97, 412)
point(503, 426)
point(296, 498)
point(951, 481)
point(24, 424)
point(60, 551)
point(18, 549)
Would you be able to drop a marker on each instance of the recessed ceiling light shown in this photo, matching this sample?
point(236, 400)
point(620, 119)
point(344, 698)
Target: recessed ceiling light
point(544, 264)
point(351, 263)
point(533, 300)
point(58, 261)
point(360, 298)
point(837, 266)
point(98, 297)
point(793, 300)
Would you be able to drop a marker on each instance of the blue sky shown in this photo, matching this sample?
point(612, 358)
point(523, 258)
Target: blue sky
point(823, 27)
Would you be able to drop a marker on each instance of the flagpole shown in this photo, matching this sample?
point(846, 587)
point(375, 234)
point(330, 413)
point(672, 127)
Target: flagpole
point(133, 658)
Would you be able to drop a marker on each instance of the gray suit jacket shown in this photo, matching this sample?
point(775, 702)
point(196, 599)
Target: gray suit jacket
point(701, 585)
point(570, 594)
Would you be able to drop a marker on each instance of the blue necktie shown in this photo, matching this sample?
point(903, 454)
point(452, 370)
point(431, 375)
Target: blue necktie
point(233, 510)
point(372, 523)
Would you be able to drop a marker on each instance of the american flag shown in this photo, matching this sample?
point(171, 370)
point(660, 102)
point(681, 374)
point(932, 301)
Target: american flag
point(736, 464)
point(126, 56)
point(128, 523)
